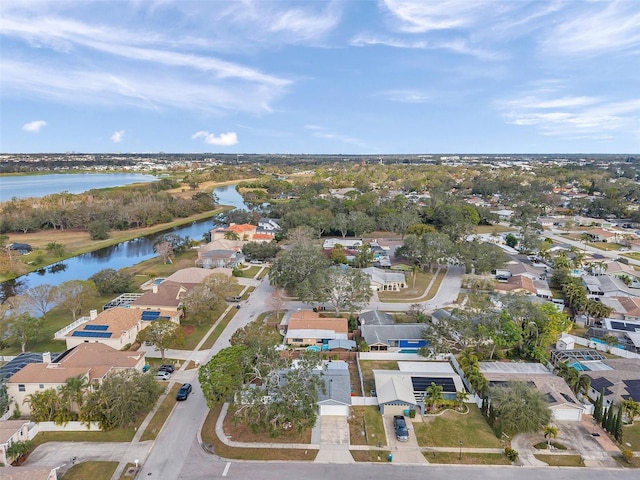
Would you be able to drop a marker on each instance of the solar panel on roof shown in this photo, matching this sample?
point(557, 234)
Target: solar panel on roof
point(149, 315)
point(567, 397)
point(550, 398)
point(96, 327)
point(420, 384)
point(627, 327)
point(84, 333)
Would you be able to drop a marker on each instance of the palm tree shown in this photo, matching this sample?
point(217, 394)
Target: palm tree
point(631, 408)
point(460, 398)
point(73, 392)
point(434, 395)
point(550, 431)
point(585, 238)
point(584, 384)
point(231, 236)
point(468, 360)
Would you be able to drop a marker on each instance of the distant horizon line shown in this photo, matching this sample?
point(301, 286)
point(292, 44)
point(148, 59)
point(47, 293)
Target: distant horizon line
point(320, 154)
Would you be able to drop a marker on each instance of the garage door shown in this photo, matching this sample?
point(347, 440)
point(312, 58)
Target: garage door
point(567, 414)
point(341, 410)
point(395, 409)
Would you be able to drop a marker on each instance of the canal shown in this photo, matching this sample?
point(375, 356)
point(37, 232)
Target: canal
point(118, 256)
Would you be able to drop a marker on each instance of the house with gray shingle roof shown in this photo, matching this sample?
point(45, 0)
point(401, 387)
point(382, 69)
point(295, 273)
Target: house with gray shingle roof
point(394, 338)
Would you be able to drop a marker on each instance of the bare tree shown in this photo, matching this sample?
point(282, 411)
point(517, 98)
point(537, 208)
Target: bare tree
point(277, 302)
point(165, 250)
point(76, 295)
point(43, 298)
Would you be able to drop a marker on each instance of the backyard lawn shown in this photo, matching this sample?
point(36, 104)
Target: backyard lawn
point(367, 367)
point(448, 429)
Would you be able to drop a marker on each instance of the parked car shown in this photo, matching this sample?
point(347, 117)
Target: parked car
point(184, 392)
point(162, 375)
point(400, 426)
point(166, 368)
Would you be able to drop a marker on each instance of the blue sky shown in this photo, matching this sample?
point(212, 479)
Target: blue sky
point(354, 77)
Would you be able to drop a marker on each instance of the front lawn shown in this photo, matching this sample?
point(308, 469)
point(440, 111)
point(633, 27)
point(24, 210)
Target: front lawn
point(448, 429)
point(235, 429)
point(366, 427)
point(213, 444)
point(631, 437)
point(116, 435)
point(161, 415)
point(92, 470)
point(367, 367)
point(211, 339)
point(561, 460)
point(467, 458)
point(412, 292)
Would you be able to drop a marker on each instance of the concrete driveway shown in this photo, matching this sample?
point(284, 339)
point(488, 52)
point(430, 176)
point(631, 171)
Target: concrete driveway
point(403, 452)
point(575, 436)
point(334, 440)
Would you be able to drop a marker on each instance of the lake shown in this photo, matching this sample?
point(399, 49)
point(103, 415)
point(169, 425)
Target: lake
point(22, 186)
point(117, 256)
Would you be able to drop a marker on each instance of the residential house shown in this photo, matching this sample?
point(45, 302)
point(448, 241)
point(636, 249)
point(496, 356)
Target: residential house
point(220, 253)
point(308, 328)
point(91, 361)
point(375, 317)
point(602, 235)
point(405, 389)
point(347, 243)
point(560, 399)
point(28, 473)
point(269, 226)
point(235, 231)
point(405, 337)
point(620, 381)
point(335, 400)
point(11, 431)
point(624, 308)
point(116, 327)
point(385, 280)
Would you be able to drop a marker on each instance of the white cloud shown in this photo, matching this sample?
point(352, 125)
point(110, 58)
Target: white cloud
point(422, 16)
point(35, 126)
point(597, 28)
point(407, 96)
point(322, 132)
point(573, 117)
point(118, 136)
point(224, 139)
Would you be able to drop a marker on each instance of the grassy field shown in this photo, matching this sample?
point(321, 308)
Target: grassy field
point(161, 415)
point(467, 458)
point(448, 429)
point(494, 229)
point(367, 367)
point(92, 470)
point(561, 460)
point(366, 427)
point(214, 444)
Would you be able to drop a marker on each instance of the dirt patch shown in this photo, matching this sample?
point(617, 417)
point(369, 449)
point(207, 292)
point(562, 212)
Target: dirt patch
point(188, 330)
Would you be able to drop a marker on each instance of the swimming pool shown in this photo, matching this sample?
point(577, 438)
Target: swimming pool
point(578, 366)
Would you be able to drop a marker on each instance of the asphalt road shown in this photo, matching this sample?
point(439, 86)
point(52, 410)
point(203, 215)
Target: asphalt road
point(170, 452)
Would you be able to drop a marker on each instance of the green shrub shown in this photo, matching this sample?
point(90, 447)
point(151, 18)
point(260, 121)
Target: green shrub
point(511, 454)
point(627, 455)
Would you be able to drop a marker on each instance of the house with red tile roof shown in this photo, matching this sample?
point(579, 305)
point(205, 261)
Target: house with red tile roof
point(90, 361)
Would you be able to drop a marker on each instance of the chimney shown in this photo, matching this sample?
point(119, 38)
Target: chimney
point(46, 357)
point(93, 314)
point(155, 288)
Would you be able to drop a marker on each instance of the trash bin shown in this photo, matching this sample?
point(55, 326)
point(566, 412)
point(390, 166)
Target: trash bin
point(406, 413)
point(390, 457)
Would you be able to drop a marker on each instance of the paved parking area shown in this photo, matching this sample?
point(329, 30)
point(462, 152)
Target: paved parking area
point(334, 440)
point(403, 452)
point(575, 436)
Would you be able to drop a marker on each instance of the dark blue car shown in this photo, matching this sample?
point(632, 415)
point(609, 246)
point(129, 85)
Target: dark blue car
point(184, 392)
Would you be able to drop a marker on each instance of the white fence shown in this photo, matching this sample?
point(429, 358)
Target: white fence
point(364, 401)
point(35, 428)
point(603, 347)
point(59, 335)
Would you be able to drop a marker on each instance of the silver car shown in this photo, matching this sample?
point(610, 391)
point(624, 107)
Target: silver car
point(162, 375)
